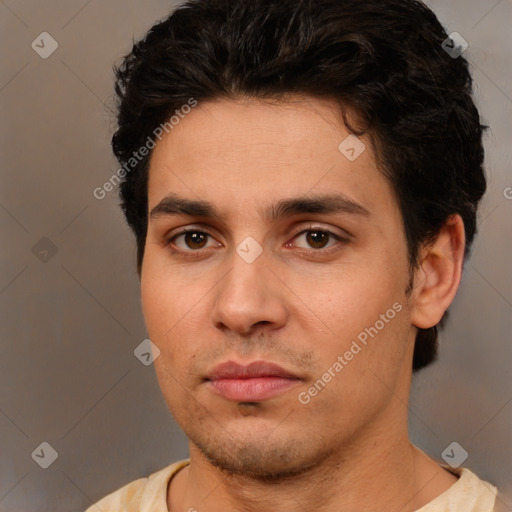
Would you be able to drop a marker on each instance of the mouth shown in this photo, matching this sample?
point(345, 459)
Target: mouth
point(255, 382)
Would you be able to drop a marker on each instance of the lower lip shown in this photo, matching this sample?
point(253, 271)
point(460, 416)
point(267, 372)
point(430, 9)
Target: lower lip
point(251, 390)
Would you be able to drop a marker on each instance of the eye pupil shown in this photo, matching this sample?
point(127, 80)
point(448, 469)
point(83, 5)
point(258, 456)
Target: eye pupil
point(197, 239)
point(317, 238)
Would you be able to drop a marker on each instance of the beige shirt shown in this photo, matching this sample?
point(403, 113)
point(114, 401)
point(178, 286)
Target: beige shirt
point(468, 494)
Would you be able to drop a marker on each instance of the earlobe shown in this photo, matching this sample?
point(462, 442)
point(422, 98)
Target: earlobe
point(437, 279)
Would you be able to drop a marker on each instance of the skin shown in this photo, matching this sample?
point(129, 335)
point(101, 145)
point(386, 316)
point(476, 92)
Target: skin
point(300, 304)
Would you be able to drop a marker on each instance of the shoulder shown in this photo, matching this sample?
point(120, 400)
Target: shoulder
point(148, 493)
point(468, 494)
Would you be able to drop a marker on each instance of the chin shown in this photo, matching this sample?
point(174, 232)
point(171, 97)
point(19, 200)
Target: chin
point(259, 453)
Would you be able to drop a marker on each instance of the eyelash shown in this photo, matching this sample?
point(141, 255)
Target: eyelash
point(308, 229)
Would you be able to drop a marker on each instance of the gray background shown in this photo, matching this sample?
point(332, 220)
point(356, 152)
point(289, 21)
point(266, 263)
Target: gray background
point(71, 319)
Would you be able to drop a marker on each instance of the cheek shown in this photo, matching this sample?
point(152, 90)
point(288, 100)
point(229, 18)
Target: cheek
point(171, 308)
point(348, 299)
point(358, 379)
point(166, 301)
point(362, 314)
point(157, 306)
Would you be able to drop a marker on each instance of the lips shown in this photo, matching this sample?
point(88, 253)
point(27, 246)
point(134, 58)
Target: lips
point(232, 370)
point(258, 381)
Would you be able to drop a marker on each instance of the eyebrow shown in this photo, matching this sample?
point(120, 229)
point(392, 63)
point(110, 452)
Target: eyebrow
point(172, 204)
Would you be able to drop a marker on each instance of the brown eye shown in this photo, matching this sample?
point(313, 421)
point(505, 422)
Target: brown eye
point(190, 240)
point(317, 239)
point(195, 239)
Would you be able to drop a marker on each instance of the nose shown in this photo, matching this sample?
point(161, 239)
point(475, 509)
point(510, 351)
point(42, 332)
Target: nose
point(248, 297)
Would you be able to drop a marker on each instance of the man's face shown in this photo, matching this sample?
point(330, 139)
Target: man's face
point(322, 281)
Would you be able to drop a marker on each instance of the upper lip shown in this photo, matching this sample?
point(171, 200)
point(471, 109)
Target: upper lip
point(232, 370)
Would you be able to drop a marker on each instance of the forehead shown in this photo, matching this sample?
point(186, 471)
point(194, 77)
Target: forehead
point(244, 152)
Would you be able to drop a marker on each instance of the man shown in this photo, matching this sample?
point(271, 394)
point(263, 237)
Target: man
point(302, 178)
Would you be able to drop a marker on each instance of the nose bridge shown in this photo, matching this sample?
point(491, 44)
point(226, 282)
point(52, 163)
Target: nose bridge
point(245, 282)
point(246, 295)
point(248, 263)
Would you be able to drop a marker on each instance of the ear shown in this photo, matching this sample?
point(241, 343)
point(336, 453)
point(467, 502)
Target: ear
point(437, 279)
